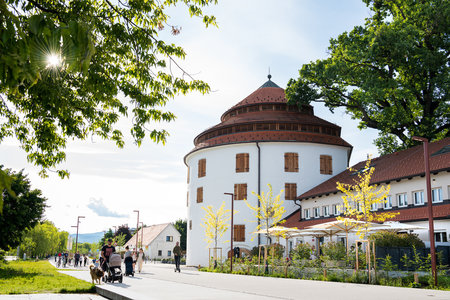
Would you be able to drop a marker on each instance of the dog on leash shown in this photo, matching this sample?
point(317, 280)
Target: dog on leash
point(96, 274)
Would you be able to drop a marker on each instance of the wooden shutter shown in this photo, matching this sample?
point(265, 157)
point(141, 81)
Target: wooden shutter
point(290, 191)
point(202, 167)
point(200, 195)
point(240, 191)
point(322, 164)
point(326, 164)
point(246, 162)
point(239, 233)
point(291, 162)
point(242, 162)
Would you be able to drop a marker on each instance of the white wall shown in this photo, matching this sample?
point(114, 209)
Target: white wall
point(221, 176)
point(160, 243)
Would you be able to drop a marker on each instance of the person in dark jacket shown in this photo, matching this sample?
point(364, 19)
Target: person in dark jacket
point(177, 254)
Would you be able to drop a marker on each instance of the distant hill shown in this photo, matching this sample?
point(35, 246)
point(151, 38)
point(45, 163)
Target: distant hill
point(88, 237)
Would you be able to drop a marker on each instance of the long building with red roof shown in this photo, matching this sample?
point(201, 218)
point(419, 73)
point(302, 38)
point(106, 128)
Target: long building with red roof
point(404, 172)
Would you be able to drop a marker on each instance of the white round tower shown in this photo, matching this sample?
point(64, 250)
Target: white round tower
point(261, 140)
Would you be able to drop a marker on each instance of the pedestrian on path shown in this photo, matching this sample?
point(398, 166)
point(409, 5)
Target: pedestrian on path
point(77, 259)
point(140, 259)
point(106, 252)
point(177, 253)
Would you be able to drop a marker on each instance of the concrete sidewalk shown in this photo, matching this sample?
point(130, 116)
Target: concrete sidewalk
point(159, 281)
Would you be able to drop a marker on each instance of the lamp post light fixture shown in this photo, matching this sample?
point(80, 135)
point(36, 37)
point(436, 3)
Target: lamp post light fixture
point(76, 239)
point(142, 233)
point(232, 227)
point(137, 227)
point(429, 204)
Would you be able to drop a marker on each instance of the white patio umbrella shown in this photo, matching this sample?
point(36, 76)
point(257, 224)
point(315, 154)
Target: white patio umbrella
point(286, 232)
point(346, 225)
point(396, 227)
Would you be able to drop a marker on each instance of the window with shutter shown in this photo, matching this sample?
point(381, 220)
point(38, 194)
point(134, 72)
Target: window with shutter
point(291, 162)
point(242, 162)
point(200, 195)
point(240, 191)
point(202, 168)
point(326, 165)
point(290, 191)
point(239, 233)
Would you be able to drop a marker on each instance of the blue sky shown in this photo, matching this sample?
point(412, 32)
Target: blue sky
point(107, 184)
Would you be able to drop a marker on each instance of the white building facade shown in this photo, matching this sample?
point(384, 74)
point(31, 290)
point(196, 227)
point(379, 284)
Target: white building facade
point(260, 141)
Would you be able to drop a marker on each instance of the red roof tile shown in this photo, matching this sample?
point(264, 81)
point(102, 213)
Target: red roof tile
point(401, 164)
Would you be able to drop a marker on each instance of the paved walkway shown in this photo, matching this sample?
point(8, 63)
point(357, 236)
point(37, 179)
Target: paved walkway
point(159, 281)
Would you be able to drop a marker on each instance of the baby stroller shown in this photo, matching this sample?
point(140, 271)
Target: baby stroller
point(114, 269)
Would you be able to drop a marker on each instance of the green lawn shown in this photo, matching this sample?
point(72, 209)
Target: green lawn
point(27, 277)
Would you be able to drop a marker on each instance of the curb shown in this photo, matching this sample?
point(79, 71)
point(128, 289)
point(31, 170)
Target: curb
point(110, 294)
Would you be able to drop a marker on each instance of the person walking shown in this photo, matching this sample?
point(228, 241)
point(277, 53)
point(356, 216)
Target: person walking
point(77, 258)
point(106, 252)
point(177, 254)
point(128, 260)
point(85, 258)
point(140, 259)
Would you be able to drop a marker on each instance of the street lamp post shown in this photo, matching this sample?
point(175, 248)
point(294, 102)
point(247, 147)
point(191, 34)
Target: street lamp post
point(142, 233)
point(76, 239)
point(137, 227)
point(232, 227)
point(429, 204)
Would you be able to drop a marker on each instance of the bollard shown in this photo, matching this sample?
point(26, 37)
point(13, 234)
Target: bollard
point(325, 273)
point(416, 278)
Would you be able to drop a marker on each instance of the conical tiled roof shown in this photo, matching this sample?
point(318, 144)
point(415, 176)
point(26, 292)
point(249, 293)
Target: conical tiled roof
point(264, 115)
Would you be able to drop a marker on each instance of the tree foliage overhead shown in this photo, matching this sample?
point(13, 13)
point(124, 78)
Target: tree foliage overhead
point(20, 212)
point(63, 65)
point(392, 74)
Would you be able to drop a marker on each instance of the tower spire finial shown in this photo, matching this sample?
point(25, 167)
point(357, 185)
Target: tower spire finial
point(269, 76)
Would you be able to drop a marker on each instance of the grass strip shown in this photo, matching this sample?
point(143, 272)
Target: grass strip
point(28, 277)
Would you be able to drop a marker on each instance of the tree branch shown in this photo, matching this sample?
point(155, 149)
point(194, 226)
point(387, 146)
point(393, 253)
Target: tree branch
point(44, 9)
point(150, 35)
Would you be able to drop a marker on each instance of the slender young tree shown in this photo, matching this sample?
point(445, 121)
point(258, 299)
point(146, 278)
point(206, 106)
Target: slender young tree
point(270, 212)
point(216, 223)
point(359, 198)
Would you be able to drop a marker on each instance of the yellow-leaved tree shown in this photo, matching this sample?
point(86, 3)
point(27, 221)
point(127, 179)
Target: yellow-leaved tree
point(269, 212)
point(359, 198)
point(215, 223)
